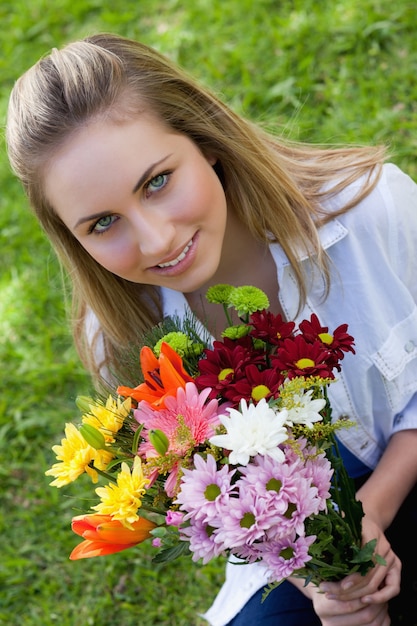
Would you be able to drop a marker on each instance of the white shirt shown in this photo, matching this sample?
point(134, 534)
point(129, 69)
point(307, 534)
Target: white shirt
point(373, 257)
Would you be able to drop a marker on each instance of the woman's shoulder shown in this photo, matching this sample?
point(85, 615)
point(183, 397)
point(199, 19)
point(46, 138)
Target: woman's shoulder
point(391, 202)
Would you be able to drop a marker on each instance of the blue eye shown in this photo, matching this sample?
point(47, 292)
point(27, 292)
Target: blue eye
point(157, 183)
point(103, 224)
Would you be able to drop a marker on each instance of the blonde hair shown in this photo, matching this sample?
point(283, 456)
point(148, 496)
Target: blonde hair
point(275, 187)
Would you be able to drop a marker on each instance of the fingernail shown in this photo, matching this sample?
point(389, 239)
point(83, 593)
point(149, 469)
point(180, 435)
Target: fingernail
point(346, 586)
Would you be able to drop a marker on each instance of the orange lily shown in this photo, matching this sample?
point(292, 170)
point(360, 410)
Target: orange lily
point(162, 376)
point(104, 535)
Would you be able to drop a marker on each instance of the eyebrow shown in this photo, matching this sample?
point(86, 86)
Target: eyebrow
point(146, 174)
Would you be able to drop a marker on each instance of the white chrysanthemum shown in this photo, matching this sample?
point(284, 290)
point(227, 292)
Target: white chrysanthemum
point(304, 410)
point(254, 429)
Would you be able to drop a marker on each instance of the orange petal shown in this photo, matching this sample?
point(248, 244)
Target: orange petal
point(88, 549)
point(167, 352)
point(120, 534)
point(82, 523)
point(148, 360)
point(148, 363)
point(171, 378)
point(172, 373)
point(141, 392)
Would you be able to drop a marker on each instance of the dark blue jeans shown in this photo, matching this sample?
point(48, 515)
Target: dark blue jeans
point(285, 606)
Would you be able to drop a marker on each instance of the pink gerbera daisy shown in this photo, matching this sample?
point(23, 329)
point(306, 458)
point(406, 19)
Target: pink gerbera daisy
point(187, 421)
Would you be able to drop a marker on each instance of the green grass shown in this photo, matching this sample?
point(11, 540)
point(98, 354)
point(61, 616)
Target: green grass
point(319, 70)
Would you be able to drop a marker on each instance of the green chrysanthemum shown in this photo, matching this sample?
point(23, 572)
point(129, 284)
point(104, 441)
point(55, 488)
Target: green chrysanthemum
point(236, 332)
point(180, 343)
point(219, 294)
point(248, 299)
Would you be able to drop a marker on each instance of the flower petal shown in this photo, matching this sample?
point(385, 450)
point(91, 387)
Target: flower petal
point(88, 549)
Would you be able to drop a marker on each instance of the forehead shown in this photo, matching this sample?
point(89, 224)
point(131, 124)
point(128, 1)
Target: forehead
point(106, 158)
point(143, 130)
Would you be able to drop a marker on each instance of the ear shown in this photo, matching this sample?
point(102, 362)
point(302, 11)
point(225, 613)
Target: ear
point(211, 159)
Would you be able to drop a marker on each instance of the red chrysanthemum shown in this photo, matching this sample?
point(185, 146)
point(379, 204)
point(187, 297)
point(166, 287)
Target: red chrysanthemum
point(337, 343)
point(255, 385)
point(270, 328)
point(297, 357)
point(224, 364)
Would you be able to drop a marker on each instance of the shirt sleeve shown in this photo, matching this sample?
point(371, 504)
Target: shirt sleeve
point(403, 191)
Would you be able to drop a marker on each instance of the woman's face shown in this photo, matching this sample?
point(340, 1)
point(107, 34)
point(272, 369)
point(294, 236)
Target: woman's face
point(144, 202)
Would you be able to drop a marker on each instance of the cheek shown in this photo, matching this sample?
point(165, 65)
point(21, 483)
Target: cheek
point(205, 199)
point(117, 256)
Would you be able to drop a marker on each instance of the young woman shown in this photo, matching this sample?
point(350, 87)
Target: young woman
point(151, 190)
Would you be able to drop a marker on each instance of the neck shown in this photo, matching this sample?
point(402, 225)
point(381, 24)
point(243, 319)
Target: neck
point(245, 261)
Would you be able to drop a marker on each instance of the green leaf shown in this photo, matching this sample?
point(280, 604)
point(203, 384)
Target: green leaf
point(172, 553)
point(366, 553)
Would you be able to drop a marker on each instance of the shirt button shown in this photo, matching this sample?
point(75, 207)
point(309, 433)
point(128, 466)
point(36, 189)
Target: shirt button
point(409, 346)
point(398, 418)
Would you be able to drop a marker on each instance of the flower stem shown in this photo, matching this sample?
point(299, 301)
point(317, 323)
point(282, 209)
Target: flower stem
point(102, 473)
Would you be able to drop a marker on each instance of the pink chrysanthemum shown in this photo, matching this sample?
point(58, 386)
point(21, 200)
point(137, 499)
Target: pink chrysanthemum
point(201, 539)
point(320, 472)
point(313, 466)
point(305, 503)
point(205, 490)
point(275, 482)
point(245, 520)
point(284, 557)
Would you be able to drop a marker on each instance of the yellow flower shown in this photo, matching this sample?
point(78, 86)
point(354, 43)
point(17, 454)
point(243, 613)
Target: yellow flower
point(108, 419)
point(122, 500)
point(74, 455)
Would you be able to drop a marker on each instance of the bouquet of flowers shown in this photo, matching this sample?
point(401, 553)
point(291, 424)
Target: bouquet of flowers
point(224, 449)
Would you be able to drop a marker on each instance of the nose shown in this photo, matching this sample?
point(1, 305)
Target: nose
point(154, 234)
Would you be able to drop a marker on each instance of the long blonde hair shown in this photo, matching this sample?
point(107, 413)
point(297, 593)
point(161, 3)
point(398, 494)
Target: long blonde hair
point(275, 187)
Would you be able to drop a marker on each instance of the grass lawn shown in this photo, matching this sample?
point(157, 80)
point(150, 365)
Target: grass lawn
point(318, 70)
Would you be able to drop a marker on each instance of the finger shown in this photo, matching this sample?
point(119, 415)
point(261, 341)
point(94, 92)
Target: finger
point(385, 577)
point(389, 589)
point(352, 589)
point(377, 615)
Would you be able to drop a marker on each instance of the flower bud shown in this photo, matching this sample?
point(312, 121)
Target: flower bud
point(159, 440)
point(93, 436)
point(174, 518)
point(84, 403)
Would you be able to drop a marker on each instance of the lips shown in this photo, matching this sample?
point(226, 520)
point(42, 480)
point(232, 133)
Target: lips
point(179, 258)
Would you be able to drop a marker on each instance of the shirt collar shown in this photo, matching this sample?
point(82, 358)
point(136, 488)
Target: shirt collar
point(329, 234)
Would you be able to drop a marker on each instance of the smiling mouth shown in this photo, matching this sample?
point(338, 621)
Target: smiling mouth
point(179, 258)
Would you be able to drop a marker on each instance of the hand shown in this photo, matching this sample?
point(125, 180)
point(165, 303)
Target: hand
point(349, 613)
point(334, 612)
point(359, 600)
point(380, 584)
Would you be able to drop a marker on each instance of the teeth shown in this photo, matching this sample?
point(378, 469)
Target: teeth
point(179, 258)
